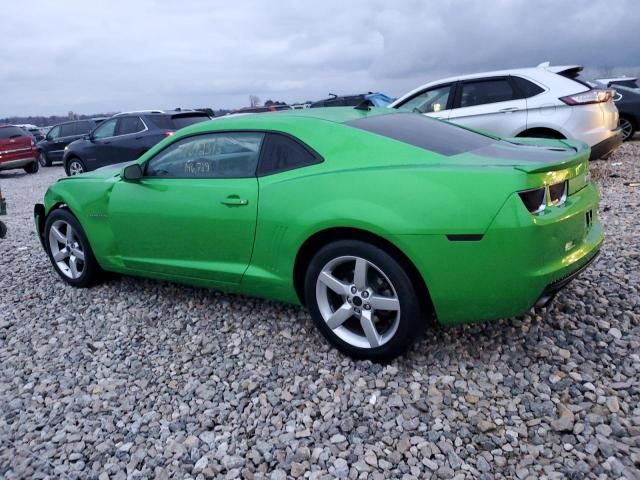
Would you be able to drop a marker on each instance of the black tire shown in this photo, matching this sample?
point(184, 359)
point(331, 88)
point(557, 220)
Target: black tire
point(74, 161)
point(412, 320)
point(628, 128)
point(43, 160)
point(33, 167)
point(91, 271)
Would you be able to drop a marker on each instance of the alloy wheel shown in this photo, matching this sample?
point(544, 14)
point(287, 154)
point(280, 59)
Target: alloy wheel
point(75, 167)
point(358, 302)
point(627, 128)
point(66, 249)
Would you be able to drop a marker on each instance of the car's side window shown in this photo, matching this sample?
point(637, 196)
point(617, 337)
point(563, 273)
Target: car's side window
point(106, 129)
point(83, 127)
point(432, 100)
point(129, 125)
point(281, 153)
point(214, 155)
point(54, 133)
point(526, 87)
point(482, 92)
point(67, 130)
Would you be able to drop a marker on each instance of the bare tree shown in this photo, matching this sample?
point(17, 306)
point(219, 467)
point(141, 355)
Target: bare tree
point(254, 100)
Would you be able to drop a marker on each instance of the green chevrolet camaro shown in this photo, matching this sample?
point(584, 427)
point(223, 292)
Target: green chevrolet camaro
point(378, 221)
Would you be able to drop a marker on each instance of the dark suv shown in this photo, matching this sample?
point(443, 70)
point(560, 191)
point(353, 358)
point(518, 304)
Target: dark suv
point(51, 149)
point(124, 137)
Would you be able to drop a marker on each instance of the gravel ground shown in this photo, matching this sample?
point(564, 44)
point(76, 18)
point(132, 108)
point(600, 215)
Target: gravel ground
point(146, 379)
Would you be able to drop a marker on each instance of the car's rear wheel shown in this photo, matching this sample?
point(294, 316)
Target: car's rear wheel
point(69, 249)
point(43, 160)
point(75, 167)
point(363, 300)
point(33, 167)
point(628, 128)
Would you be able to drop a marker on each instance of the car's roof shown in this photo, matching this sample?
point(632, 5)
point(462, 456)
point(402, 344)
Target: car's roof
point(279, 119)
point(330, 114)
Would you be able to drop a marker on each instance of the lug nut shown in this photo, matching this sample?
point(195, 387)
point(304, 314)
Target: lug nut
point(365, 294)
point(357, 310)
point(367, 306)
point(354, 289)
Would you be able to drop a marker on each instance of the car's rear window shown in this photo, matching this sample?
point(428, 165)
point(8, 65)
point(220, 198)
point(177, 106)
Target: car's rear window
point(424, 132)
point(12, 132)
point(176, 122)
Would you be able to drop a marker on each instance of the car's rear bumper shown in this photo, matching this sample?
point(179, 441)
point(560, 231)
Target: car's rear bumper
point(17, 163)
point(606, 146)
point(509, 268)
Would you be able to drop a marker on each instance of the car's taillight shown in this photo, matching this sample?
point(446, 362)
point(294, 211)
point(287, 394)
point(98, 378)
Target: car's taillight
point(538, 199)
point(558, 193)
point(595, 95)
point(535, 200)
point(168, 133)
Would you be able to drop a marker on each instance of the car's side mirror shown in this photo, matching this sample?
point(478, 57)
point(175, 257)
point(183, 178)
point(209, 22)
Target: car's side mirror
point(132, 172)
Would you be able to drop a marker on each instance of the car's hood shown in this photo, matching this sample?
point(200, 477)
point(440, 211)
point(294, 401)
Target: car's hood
point(102, 173)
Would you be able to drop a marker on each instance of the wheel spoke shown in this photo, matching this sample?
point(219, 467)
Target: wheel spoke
point(340, 316)
point(369, 329)
point(378, 302)
point(61, 255)
point(79, 254)
point(58, 235)
point(333, 283)
point(73, 266)
point(69, 234)
point(360, 274)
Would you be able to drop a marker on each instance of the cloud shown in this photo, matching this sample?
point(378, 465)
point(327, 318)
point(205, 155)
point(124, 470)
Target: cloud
point(109, 55)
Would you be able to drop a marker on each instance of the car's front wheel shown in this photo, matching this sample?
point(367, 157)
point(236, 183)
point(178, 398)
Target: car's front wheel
point(69, 249)
point(75, 167)
point(363, 300)
point(33, 167)
point(43, 160)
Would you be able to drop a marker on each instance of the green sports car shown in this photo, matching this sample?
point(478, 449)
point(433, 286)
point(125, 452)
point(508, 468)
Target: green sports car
point(377, 220)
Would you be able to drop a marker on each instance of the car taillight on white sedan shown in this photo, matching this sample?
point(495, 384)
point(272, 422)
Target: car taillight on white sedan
point(596, 95)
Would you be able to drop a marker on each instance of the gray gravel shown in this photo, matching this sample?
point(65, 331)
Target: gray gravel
point(145, 379)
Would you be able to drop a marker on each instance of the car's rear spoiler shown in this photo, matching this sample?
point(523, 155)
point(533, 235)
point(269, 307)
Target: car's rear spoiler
point(570, 71)
point(581, 155)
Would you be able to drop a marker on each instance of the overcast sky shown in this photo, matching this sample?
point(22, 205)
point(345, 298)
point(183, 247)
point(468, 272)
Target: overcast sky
point(109, 55)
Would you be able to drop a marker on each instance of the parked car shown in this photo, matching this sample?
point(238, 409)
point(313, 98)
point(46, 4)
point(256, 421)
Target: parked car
point(3, 211)
point(628, 82)
point(17, 149)
point(263, 109)
point(125, 137)
point(51, 149)
point(377, 99)
point(628, 103)
point(376, 220)
point(33, 130)
point(546, 101)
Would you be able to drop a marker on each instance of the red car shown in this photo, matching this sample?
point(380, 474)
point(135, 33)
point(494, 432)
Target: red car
point(17, 149)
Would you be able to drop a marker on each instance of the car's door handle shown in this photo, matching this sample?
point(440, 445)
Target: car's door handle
point(510, 109)
point(235, 201)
